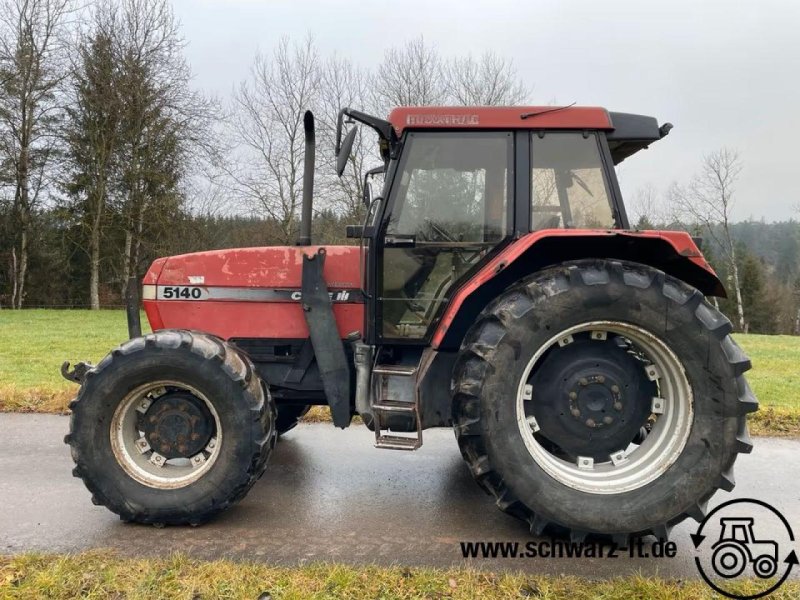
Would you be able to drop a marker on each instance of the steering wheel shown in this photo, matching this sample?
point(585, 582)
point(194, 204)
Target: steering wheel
point(439, 231)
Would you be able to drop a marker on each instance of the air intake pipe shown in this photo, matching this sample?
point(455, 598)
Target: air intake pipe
point(304, 239)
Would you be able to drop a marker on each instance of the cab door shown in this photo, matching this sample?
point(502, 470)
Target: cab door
point(447, 210)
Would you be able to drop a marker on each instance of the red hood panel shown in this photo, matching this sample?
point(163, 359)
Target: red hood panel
point(273, 267)
point(249, 292)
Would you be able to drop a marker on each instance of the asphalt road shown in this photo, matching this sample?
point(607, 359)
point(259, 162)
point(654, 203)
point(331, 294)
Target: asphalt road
point(328, 495)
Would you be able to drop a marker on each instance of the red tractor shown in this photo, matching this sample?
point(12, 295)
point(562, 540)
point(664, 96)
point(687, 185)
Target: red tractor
point(497, 288)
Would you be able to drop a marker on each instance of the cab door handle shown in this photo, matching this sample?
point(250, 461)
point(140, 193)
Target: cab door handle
point(400, 241)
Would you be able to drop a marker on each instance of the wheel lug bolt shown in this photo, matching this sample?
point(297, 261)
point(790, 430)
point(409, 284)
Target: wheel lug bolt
point(573, 396)
point(608, 420)
point(615, 389)
point(590, 423)
point(583, 381)
point(575, 412)
point(617, 405)
point(601, 379)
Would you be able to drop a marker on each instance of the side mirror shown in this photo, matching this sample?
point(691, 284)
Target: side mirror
point(345, 150)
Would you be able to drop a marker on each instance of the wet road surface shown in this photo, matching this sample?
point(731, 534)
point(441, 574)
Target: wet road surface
point(328, 495)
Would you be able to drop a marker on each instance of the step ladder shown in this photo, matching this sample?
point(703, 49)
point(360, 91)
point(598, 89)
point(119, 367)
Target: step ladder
point(394, 392)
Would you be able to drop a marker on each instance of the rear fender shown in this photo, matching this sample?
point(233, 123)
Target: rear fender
point(673, 252)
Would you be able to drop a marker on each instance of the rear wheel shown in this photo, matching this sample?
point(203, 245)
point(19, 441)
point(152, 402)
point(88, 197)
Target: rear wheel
point(602, 397)
point(171, 428)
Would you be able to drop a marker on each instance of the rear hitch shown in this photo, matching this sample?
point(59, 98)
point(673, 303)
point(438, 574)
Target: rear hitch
point(78, 373)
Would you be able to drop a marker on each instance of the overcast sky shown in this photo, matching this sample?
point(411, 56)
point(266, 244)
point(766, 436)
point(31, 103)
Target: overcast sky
point(725, 73)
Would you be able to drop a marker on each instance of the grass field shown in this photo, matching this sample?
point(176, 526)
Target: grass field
point(104, 575)
point(33, 344)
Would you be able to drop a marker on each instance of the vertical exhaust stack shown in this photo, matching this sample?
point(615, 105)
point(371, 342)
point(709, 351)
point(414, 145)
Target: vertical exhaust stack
point(304, 238)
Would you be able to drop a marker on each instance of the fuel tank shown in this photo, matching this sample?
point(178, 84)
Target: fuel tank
point(249, 292)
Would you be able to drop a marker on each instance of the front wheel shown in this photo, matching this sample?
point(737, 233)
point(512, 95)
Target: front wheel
point(602, 397)
point(171, 428)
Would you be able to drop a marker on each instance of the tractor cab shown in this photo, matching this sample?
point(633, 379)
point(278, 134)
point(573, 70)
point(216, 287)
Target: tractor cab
point(462, 183)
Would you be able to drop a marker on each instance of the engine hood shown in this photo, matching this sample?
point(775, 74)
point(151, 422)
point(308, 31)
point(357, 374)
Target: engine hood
point(265, 267)
point(249, 292)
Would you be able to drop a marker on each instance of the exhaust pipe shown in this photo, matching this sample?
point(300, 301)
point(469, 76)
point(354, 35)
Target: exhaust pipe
point(132, 308)
point(304, 238)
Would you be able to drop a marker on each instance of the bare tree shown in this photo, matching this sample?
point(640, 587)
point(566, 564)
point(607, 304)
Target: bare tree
point(265, 167)
point(489, 80)
point(343, 84)
point(267, 121)
point(410, 75)
point(31, 54)
point(650, 210)
point(708, 200)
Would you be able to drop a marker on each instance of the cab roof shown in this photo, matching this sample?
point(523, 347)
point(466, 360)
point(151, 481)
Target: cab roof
point(626, 133)
point(499, 117)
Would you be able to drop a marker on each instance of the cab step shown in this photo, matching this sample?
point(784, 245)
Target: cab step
point(397, 442)
point(394, 393)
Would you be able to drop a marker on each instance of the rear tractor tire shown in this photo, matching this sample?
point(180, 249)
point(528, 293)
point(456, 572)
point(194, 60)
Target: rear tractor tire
point(602, 397)
point(171, 428)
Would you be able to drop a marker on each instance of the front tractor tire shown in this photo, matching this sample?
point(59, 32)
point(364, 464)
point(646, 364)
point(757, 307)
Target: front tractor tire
point(602, 397)
point(171, 428)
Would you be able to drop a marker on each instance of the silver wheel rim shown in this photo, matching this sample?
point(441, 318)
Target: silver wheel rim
point(637, 465)
point(139, 460)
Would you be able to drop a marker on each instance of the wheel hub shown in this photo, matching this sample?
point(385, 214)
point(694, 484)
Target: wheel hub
point(592, 398)
point(177, 425)
point(595, 400)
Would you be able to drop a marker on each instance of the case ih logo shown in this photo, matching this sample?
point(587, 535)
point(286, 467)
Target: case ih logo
point(341, 296)
point(442, 120)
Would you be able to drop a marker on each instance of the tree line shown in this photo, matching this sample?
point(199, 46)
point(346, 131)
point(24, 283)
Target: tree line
point(109, 157)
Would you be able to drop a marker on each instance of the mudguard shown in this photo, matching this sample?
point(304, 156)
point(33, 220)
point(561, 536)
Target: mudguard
point(674, 252)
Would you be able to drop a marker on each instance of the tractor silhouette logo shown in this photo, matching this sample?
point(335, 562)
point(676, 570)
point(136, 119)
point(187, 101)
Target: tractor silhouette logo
point(748, 538)
point(737, 546)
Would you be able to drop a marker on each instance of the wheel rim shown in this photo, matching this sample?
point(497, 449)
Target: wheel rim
point(165, 434)
point(630, 465)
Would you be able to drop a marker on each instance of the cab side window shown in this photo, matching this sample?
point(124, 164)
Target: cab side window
point(569, 185)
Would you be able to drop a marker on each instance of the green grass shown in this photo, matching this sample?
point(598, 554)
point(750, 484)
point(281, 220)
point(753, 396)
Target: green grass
point(100, 575)
point(775, 377)
point(33, 344)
